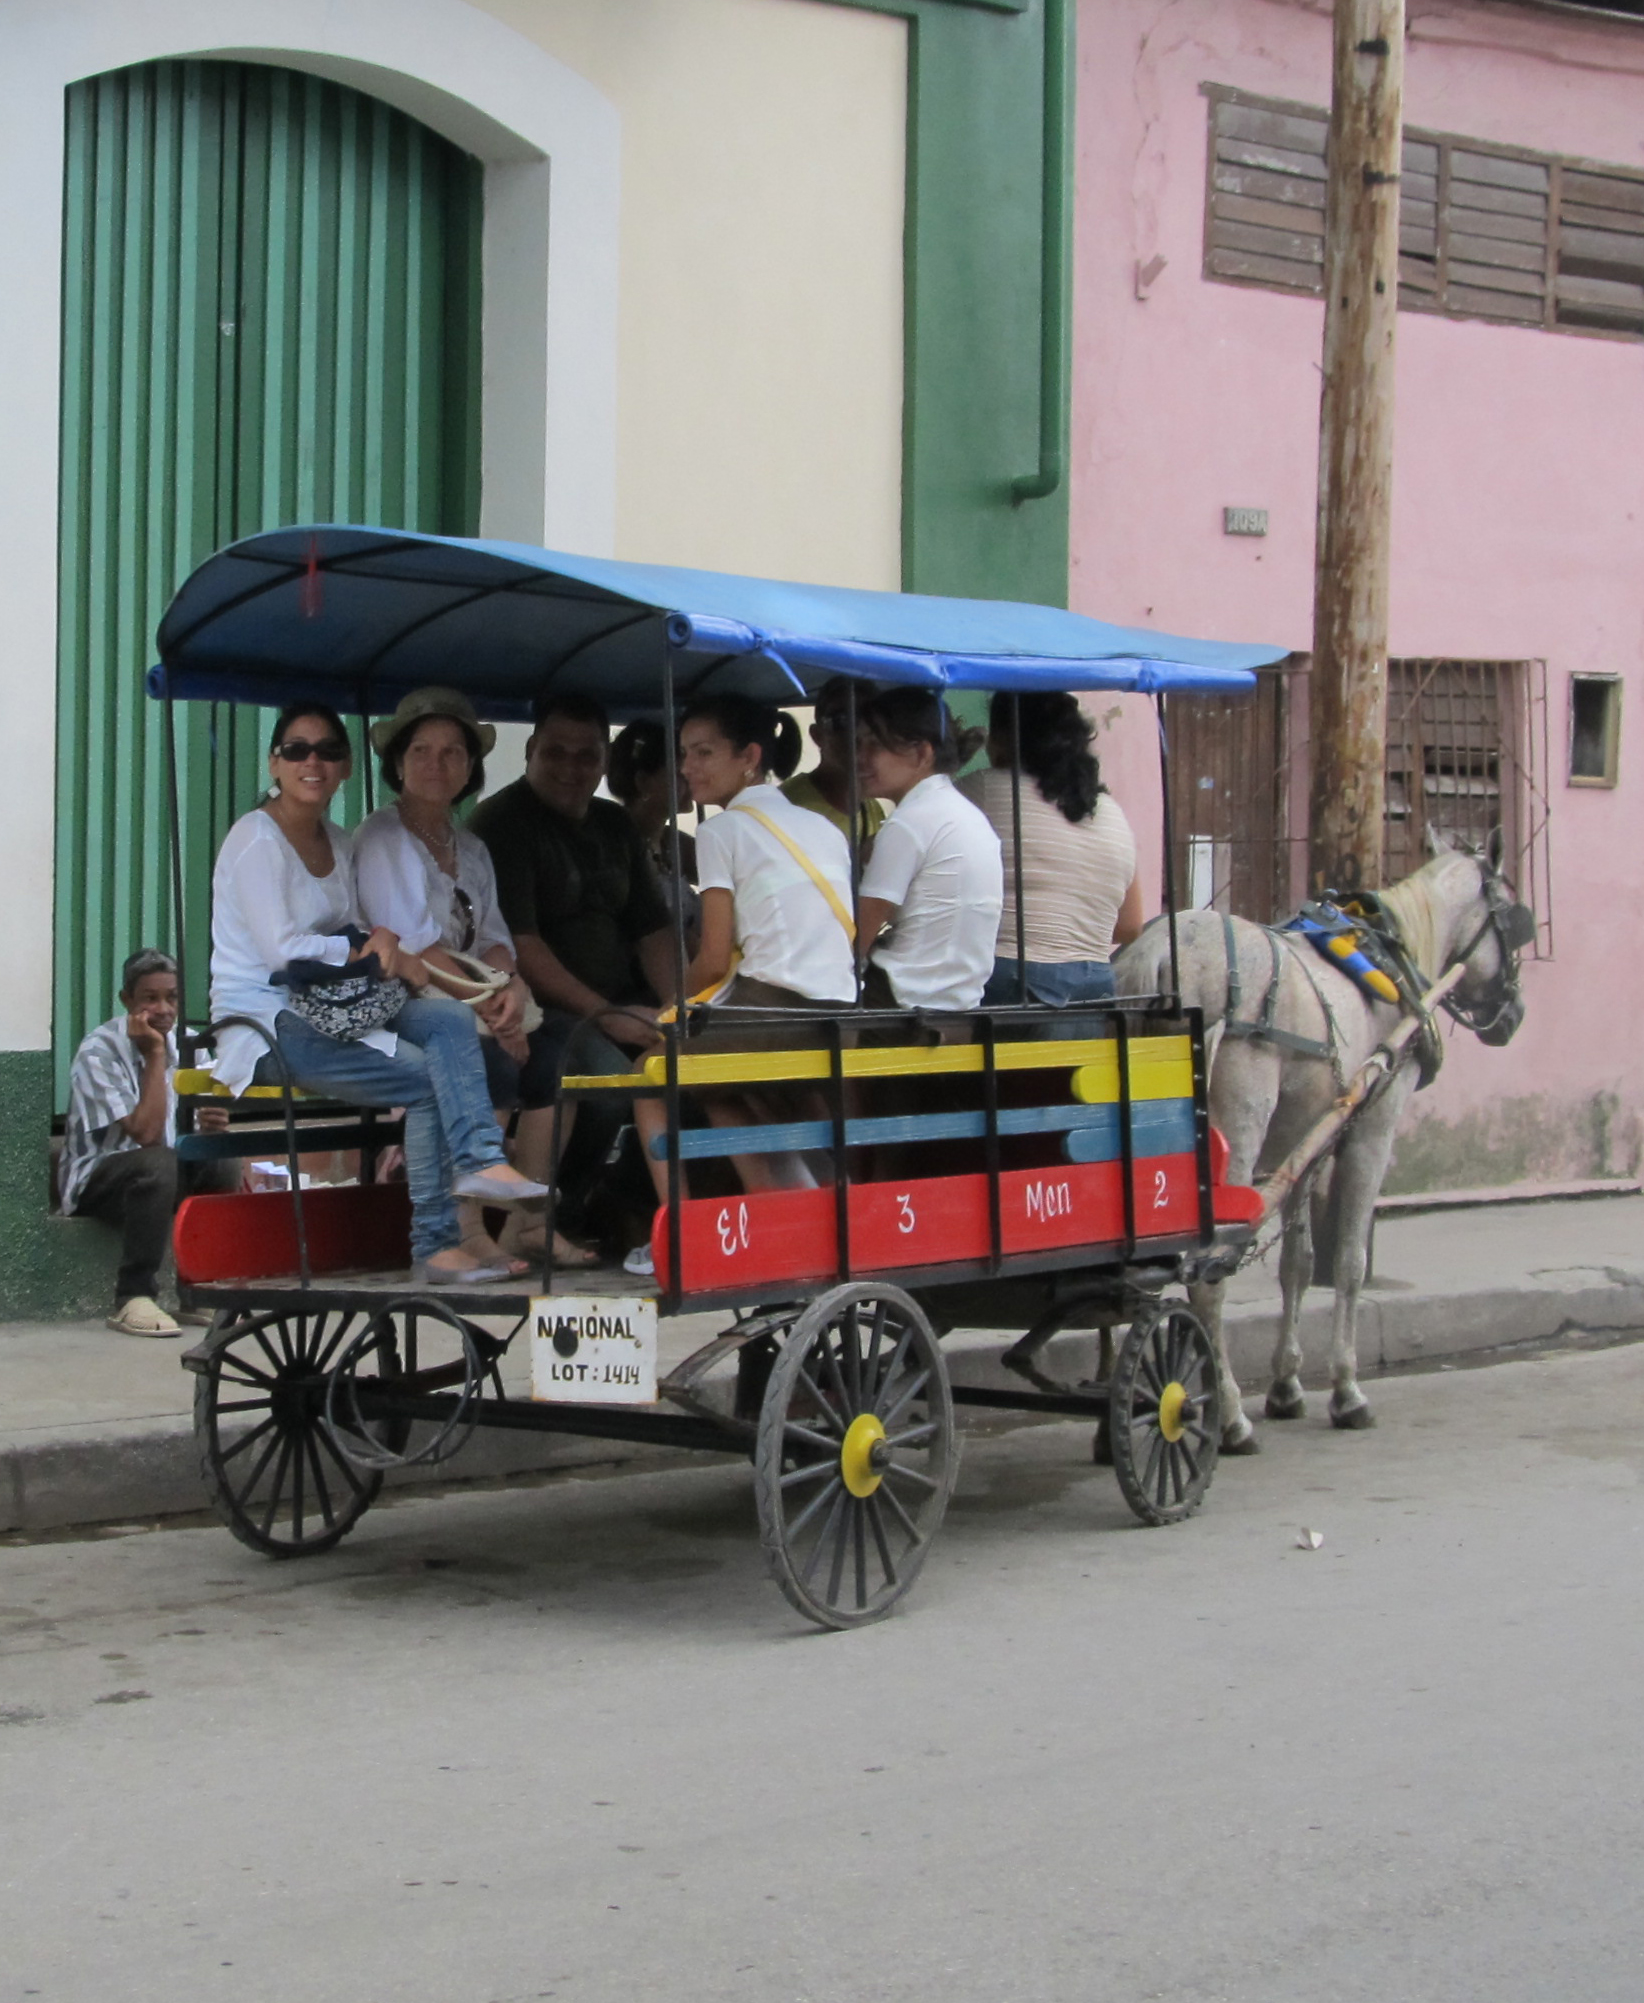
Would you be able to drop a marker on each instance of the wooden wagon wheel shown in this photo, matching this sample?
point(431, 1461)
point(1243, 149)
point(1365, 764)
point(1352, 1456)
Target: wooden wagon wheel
point(856, 1454)
point(1164, 1423)
point(273, 1472)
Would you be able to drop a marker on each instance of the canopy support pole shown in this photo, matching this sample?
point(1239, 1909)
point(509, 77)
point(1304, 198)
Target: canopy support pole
point(853, 807)
point(179, 924)
point(674, 1032)
point(1169, 852)
point(1016, 845)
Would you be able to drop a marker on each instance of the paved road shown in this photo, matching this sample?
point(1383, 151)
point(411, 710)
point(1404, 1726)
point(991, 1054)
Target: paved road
point(565, 1741)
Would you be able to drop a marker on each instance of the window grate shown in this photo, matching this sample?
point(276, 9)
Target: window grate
point(1467, 752)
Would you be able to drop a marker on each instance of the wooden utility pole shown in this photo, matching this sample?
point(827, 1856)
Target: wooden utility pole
point(1361, 287)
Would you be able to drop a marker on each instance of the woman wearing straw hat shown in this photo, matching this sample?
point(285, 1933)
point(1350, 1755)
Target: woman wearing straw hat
point(421, 875)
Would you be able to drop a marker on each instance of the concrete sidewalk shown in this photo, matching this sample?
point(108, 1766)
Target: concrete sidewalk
point(97, 1427)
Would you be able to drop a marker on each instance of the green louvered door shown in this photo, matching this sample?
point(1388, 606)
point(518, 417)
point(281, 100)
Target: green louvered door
point(270, 314)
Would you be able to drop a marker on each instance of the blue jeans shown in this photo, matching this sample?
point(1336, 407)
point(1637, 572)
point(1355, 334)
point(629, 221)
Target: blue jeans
point(437, 1074)
point(1056, 982)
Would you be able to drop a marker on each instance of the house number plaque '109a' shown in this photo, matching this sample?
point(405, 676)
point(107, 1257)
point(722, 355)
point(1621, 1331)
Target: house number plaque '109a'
point(589, 1350)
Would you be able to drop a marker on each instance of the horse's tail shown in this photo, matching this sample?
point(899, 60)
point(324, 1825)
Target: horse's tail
point(1143, 967)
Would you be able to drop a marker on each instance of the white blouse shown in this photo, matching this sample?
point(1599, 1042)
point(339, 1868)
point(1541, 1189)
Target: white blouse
point(401, 886)
point(937, 860)
point(788, 935)
point(267, 909)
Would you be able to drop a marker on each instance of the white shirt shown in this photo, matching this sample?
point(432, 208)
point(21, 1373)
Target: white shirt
point(1074, 873)
point(400, 885)
point(938, 861)
point(267, 909)
point(105, 1085)
point(786, 932)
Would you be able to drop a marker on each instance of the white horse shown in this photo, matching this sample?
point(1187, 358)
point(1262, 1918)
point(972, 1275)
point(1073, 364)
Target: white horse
point(1267, 1087)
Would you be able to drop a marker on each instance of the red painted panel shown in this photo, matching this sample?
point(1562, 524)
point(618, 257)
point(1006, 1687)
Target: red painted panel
point(255, 1237)
point(757, 1241)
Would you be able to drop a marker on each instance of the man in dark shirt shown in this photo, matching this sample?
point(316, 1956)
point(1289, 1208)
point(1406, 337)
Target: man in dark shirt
point(578, 890)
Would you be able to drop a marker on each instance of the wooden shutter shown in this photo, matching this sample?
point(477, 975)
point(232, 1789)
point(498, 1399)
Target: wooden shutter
point(1265, 222)
point(1600, 279)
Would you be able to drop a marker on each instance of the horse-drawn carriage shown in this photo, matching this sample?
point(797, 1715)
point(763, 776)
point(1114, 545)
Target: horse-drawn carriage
point(1019, 1168)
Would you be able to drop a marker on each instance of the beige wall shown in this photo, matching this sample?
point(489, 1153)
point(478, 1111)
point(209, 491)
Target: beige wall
point(759, 384)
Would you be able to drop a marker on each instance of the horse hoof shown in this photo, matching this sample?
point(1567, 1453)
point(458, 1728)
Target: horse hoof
point(1286, 1404)
point(1249, 1444)
point(1358, 1420)
point(1101, 1447)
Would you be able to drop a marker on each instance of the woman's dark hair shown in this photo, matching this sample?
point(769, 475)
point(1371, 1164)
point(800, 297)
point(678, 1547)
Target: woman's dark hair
point(289, 715)
point(637, 751)
point(392, 764)
point(903, 718)
point(1054, 749)
point(742, 721)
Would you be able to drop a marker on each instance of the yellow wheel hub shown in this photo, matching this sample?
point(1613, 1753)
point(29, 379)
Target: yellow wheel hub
point(1171, 1400)
point(861, 1477)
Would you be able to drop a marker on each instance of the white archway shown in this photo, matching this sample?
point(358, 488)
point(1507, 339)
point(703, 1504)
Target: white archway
point(550, 143)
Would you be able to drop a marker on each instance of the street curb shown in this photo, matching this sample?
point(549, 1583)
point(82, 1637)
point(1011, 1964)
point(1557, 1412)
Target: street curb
point(124, 1472)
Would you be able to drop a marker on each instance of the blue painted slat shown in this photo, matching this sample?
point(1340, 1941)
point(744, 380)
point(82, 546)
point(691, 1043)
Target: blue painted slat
point(1159, 1127)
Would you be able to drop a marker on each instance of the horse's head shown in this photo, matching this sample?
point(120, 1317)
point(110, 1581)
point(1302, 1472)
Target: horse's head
point(1492, 932)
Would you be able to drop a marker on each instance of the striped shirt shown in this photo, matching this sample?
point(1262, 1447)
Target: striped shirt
point(105, 1084)
point(1074, 873)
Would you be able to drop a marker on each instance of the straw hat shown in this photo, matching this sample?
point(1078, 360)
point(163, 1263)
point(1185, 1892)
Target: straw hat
point(421, 704)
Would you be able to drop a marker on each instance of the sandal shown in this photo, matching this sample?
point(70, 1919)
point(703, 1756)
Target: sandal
point(520, 1240)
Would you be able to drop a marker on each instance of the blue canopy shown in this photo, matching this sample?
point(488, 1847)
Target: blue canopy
point(359, 616)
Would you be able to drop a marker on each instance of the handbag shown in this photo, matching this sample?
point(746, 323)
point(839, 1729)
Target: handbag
point(346, 1002)
point(477, 983)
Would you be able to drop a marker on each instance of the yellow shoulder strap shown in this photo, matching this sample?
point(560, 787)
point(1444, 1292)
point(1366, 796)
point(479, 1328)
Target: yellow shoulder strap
point(835, 903)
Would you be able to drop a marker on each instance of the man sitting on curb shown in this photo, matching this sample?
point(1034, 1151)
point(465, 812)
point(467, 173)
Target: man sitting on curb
point(119, 1145)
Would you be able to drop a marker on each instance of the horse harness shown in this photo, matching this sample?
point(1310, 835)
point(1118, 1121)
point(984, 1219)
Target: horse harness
point(1380, 943)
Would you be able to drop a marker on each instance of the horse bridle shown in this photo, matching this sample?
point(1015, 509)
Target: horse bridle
point(1514, 925)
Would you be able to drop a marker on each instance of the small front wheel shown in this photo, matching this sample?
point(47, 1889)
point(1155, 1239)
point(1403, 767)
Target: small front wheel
point(1164, 1423)
point(855, 1456)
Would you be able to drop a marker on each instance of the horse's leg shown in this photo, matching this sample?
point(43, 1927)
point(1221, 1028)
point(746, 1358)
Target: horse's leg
point(1284, 1394)
point(1238, 1434)
point(1102, 1445)
point(1361, 1163)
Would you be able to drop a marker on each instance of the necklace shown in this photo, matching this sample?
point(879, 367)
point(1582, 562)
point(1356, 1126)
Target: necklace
point(444, 847)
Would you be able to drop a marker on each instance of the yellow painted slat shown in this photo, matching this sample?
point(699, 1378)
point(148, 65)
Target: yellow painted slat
point(1161, 1067)
point(202, 1085)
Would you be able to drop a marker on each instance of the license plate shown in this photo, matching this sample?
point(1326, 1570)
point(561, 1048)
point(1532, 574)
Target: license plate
point(591, 1349)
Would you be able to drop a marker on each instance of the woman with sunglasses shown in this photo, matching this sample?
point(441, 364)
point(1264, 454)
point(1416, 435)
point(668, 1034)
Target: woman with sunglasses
point(283, 890)
point(420, 875)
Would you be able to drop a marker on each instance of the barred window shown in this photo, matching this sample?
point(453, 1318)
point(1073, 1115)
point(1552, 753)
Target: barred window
point(1466, 754)
point(1485, 232)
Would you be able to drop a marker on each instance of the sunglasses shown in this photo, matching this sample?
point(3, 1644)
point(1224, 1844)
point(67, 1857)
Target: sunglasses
point(297, 750)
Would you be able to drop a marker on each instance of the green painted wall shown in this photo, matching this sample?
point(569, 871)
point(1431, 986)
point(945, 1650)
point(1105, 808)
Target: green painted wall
point(977, 295)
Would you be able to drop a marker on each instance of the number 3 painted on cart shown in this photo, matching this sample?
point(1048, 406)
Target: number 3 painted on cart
point(1161, 1189)
point(905, 1218)
point(732, 1234)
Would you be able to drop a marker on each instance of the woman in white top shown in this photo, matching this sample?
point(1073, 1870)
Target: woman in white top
point(420, 875)
point(776, 931)
point(283, 890)
point(932, 893)
point(1079, 881)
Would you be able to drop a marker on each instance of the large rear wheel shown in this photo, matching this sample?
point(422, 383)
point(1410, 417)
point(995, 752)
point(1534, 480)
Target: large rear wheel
point(856, 1454)
point(270, 1464)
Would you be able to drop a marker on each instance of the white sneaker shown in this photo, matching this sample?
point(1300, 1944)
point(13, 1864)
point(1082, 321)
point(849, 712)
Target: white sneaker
point(640, 1263)
point(141, 1316)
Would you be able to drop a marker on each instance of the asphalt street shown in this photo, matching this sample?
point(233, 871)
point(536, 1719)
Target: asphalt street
point(565, 1740)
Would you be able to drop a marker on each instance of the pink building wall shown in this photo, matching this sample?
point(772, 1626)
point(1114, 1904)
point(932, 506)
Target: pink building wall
point(1518, 497)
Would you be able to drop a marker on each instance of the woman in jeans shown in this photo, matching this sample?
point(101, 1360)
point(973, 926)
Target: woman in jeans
point(283, 890)
point(1079, 878)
